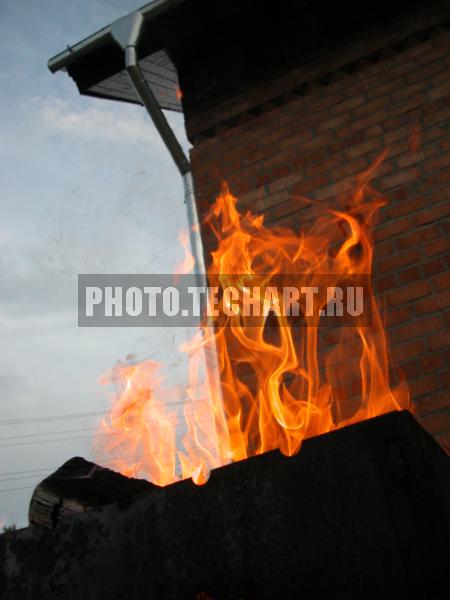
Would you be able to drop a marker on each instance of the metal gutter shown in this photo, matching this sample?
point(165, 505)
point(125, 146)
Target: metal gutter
point(73, 53)
point(103, 36)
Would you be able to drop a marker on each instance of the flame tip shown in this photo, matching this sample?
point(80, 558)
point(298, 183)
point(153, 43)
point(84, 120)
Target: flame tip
point(294, 387)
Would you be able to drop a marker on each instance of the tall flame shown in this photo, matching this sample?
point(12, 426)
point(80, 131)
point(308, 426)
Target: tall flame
point(272, 391)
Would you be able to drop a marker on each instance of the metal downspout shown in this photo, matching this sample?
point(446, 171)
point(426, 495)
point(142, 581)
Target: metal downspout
point(126, 32)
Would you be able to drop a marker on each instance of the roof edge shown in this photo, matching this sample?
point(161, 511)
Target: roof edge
point(62, 60)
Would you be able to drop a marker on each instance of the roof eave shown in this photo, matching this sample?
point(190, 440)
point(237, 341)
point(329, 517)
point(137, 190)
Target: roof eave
point(62, 60)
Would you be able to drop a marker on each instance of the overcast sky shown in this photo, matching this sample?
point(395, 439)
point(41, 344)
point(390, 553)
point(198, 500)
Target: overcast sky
point(86, 187)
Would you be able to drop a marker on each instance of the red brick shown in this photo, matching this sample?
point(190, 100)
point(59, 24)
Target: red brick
point(332, 123)
point(436, 247)
point(305, 187)
point(437, 52)
point(319, 141)
point(392, 229)
point(411, 274)
point(438, 341)
point(412, 291)
point(435, 133)
point(412, 158)
point(349, 168)
point(397, 261)
point(432, 363)
point(442, 281)
point(434, 402)
point(442, 162)
point(434, 302)
point(282, 185)
point(402, 149)
point(424, 385)
point(433, 180)
point(361, 149)
point(407, 104)
point(406, 91)
point(347, 105)
point(410, 370)
point(384, 90)
point(396, 134)
point(433, 213)
point(406, 350)
point(432, 267)
point(396, 179)
point(418, 328)
point(423, 73)
point(416, 237)
point(444, 440)
point(442, 77)
point(316, 146)
point(432, 116)
point(363, 123)
point(334, 190)
point(325, 166)
point(385, 248)
point(439, 91)
point(400, 69)
point(282, 210)
point(445, 379)
point(388, 282)
point(437, 422)
point(370, 107)
point(395, 316)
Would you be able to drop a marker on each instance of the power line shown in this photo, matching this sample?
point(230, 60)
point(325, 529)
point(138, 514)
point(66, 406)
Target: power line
point(23, 477)
point(21, 420)
point(65, 439)
point(40, 419)
point(59, 432)
point(102, 459)
point(28, 435)
point(26, 471)
point(28, 487)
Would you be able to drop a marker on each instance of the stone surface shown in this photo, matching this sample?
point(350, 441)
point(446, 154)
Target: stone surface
point(79, 486)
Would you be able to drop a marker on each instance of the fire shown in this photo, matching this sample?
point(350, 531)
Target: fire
point(178, 93)
point(273, 388)
point(188, 263)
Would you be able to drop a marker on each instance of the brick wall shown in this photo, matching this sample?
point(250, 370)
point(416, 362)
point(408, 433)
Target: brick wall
point(312, 130)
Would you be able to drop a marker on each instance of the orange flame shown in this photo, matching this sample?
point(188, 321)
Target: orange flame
point(272, 391)
point(187, 264)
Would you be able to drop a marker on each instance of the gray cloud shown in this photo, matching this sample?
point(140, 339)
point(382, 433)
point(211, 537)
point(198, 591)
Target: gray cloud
point(86, 186)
